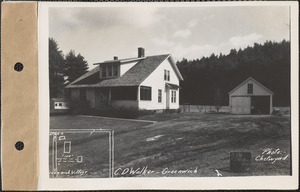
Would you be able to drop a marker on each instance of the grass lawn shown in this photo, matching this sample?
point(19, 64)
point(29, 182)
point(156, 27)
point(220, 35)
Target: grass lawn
point(184, 144)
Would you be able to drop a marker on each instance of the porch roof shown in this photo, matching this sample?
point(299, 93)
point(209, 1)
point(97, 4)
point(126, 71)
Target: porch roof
point(172, 86)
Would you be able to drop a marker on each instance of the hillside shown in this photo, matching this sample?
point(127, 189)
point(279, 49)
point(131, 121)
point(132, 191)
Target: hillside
point(208, 80)
point(184, 141)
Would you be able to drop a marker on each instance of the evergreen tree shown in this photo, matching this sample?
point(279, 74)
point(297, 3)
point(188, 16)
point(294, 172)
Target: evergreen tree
point(208, 80)
point(56, 64)
point(75, 66)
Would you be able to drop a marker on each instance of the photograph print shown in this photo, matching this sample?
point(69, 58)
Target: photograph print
point(169, 91)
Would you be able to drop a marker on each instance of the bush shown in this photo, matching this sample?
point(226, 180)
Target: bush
point(55, 112)
point(276, 112)
point(171, 111)
point(122, 112)
point(146, 112)
point(77, 108)
point(80, 108)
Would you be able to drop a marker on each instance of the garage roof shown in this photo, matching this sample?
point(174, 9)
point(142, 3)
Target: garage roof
point(250, 78)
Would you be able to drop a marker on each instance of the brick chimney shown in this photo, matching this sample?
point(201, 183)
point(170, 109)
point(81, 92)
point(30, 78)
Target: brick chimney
point(115, 58)
point(141, 52)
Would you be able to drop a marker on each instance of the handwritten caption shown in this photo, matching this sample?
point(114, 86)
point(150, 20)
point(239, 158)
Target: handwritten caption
point(70, 172)
point(146, 171)
point(272, 155)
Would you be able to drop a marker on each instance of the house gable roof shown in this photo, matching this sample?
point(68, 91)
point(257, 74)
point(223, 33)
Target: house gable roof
point(250, 78)
point(121, 61)
point(133, 77)
point(86, 75)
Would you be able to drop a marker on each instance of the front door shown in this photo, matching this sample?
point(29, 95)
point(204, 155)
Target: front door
point(168, 98)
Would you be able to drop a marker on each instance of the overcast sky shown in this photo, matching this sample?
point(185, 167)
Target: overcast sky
point(101, 33)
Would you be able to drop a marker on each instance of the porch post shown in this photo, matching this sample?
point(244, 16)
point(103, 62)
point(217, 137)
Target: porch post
point(271, 104)
point(138, 97)
point(230, 104)
point(138, 93)
point(109, 96)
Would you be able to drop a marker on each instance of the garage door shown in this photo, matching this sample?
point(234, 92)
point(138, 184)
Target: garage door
point(260, 105)
point(240, 105)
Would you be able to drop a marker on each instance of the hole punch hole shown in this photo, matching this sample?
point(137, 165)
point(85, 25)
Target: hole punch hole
point(19, 145)
point(19, 67)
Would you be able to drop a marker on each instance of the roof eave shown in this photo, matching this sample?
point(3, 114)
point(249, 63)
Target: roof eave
point(121, 61)
point(255, 82)
point(171, 59)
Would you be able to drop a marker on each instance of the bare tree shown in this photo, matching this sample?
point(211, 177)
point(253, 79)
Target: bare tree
point(217, 99)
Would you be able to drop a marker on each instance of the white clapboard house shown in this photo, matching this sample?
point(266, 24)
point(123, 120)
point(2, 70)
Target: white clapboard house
point(144, 82)
point(251, 97)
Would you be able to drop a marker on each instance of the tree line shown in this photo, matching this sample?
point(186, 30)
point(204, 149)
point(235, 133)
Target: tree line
point(207, 81)
point(63, 69)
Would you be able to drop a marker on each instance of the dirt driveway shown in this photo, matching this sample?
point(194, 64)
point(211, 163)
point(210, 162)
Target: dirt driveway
point(190, 144)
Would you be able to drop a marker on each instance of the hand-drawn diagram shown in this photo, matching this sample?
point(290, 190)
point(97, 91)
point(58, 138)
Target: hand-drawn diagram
point(73, 152)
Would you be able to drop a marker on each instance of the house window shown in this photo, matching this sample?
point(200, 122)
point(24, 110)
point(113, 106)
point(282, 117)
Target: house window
point(167, 75)
point(115, 69)
point(60, 104)
point(55, 104)
point(104, 71)
point(159, 95)
point(124, 93)
point(109, 70)
point(145, 93)
point(173, 97)
point(250, 88)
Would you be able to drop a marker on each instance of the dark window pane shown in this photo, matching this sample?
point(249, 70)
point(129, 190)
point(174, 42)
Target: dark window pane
point(103, 71)
point(159, 95)
point(174, 96)
point(115, 70)
point(167, 75)
point(109, 70)
point(250, 88)
point(124, 93)
point(145, 93)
